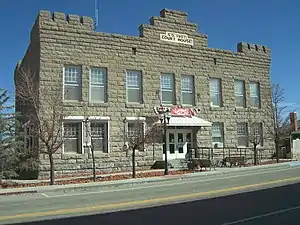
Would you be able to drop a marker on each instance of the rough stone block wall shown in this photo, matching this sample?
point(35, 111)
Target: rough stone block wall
point(71, 40)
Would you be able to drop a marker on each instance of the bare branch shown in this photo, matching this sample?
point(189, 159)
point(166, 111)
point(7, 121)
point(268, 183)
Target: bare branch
point(43, 107)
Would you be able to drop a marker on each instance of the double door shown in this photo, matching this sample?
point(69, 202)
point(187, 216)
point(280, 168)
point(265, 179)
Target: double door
point(178, 143)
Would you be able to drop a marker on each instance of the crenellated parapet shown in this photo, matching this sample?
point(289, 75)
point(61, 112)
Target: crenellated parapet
point(247, 48)
point(59, 18)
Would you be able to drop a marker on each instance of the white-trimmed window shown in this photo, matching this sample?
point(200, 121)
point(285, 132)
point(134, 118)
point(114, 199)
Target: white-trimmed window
point(218, 134)
point(242, 135)
point(72, 137)
point(98, 85)
point(72, 83)
point(135, 131)
point(239, 90)
point(257, 130)
point(215, 92)
point(167, 88)
point(99, 135)
point(254, 94)
point(134, 90)
point(187, 90)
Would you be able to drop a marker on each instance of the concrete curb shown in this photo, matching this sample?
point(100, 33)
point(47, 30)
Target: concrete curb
point(131, 182)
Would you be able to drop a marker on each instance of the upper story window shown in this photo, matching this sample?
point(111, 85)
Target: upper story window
point(215, 92)
point(167, 87)
point(254, 94)
point(187, 90)
point(98, 85)
point(239, 91)
point(134, 90)
point(72, 83)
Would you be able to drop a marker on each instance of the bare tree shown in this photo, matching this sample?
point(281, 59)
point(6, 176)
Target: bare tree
point(43, 110)
point(138, 136)
point(280, 122)
point(255, 137)
point(91, 142)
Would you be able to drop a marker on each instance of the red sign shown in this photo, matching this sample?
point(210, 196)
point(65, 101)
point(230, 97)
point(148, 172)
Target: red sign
point(176, 111)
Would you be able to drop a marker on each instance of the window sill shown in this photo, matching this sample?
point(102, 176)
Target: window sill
point(254, 108)
point(98, 154)
point(98, 104)
point(216, 108)
point(72, 103)
point(240, 109)
point(168, 105)
point(134, 105)
point(71, 155)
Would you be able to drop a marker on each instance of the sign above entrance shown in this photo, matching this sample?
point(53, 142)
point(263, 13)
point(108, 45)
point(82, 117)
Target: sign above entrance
point(177, 111)
point(177, 38)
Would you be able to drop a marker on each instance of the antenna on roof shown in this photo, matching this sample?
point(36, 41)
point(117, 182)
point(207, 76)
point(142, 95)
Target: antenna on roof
point(96, 14)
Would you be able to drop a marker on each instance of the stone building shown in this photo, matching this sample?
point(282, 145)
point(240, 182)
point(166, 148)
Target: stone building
point(111, 77)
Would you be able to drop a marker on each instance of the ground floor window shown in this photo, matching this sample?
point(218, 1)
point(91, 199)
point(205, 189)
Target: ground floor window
point(242, 135)
point(136, 134)
point(99, 136)
point(72, 137)
point(218, 134)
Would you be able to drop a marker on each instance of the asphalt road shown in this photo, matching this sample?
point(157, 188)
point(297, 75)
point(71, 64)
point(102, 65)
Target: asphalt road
point(221, 199)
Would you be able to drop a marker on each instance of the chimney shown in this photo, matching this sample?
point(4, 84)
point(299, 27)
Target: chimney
point(293, 119)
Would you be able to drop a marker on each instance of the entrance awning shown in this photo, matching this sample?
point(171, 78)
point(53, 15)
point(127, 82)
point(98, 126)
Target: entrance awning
point(181, 121)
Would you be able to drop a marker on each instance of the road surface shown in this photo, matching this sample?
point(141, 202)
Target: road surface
point(261, 196)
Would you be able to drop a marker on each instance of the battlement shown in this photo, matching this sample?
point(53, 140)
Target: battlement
point(248, 48)
point(62, 18)
point(173, 14)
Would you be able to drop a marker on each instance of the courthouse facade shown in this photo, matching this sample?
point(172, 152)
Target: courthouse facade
point(111, 77)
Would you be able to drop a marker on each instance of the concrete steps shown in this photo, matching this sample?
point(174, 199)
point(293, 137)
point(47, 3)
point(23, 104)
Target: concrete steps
point(178, 163)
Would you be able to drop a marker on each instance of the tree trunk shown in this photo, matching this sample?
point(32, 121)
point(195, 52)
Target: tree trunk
point(255, 154)
point(277, 151)
point(133, 164)
point(51, 169)
point(94, 164)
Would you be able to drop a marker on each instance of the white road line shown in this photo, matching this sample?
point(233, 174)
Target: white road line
point(45, 195)
point(162, 185)
point(262, 216)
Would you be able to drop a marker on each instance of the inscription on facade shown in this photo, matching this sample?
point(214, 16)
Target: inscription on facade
point(177, 38)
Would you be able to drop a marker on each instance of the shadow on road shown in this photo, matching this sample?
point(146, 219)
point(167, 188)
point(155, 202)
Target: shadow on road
point(208, 211)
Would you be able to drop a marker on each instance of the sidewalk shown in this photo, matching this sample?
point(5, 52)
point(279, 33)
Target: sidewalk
point(131, 182)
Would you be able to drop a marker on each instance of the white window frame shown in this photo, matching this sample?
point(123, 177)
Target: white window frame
point(192, 91)
point(134, 87)
point(104, 120)
point(74, 119)
point(214, 92)
point(246, 135)
point(135, 120)
point(238, 94)
point(104, 86)
point(221, 126)
point(172, 90)
point(79, 85)
point(255, 95)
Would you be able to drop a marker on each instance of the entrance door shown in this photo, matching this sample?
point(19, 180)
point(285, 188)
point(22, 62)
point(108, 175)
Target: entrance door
point(178, 143)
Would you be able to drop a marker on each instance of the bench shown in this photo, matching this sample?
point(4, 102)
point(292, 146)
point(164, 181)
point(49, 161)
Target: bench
point(202, 163)
point(234, 160)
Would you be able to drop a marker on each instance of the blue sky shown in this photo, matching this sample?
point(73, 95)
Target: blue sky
point(273, 23)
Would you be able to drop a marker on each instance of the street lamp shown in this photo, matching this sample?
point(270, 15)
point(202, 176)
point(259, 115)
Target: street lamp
point(165, 119)
point(86, 123)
